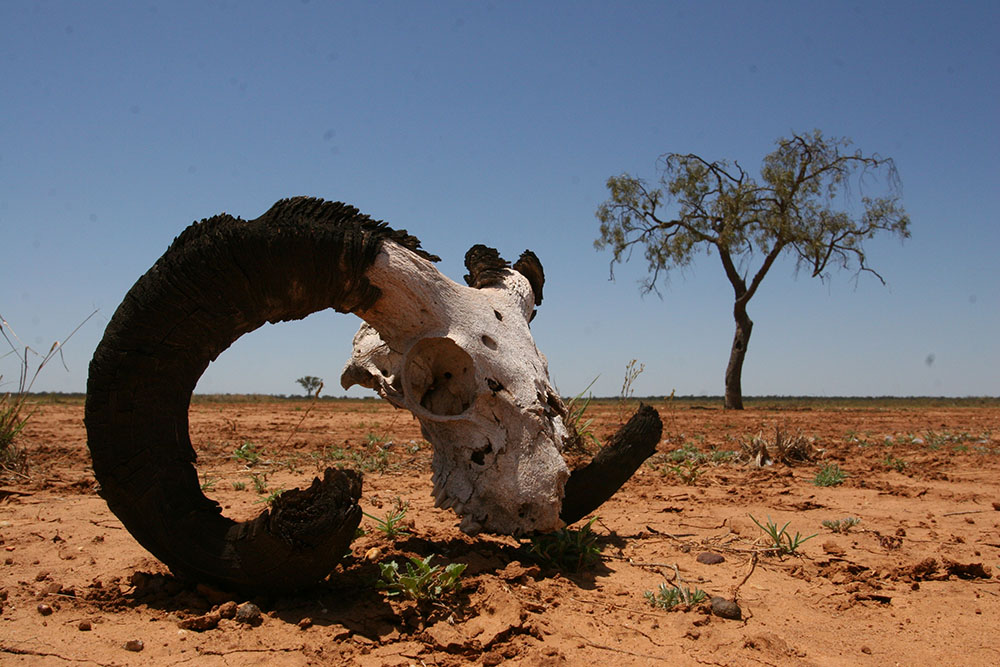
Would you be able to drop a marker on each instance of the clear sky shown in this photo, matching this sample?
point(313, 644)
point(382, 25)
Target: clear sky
point(499, 123)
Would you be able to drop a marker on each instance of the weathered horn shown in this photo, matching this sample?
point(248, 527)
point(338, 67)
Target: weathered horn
point(221, 278)
point(461, 359)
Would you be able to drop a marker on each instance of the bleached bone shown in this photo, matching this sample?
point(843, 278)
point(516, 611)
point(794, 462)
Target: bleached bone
point(463, 361)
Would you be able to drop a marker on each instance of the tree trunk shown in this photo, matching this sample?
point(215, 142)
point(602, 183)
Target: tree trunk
point(734, 371)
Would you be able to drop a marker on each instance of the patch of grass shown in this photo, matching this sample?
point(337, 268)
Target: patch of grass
point(14, 414)
point(830, 475)
point(271, 497)
point(208, 483)
point(568, 549)
point(894, 463)
point(239, 486)
point(390, 524)
point(674, 597)
point(420, 581)
point(576, 409)
point(841, 525)
point(782, 542)
point(247, 454)
point(259, 482)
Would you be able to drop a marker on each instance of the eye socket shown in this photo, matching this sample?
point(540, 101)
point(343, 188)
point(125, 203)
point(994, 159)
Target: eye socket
point(438, 375)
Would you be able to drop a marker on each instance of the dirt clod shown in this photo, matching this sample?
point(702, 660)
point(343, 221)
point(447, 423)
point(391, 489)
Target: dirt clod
point(710, 558)
point(134, 645)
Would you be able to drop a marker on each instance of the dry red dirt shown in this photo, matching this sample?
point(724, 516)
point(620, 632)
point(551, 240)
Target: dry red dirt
point(914, 583)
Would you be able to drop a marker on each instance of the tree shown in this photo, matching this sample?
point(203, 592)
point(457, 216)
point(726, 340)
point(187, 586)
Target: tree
point(311, 384)
point(797, 207)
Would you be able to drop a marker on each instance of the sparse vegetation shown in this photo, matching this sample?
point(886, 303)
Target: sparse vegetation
point(830, 474)
point(674, 597)
point(782, 543)
point(247, 454)
point(390, 524)
point(14, 415)
point(577, 408)
point(841, 525)
point(421, 580)
point(758, 451)
point(894, 463)
point(632, 373)
point(568, 549)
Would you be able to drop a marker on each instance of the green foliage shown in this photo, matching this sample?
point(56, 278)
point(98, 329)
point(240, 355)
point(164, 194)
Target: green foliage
point(673, 597)
point(829, 474)
point(311, 384)
point(259, 482)
point(390, 524)
point(420, 581)
point(208, 483)
point(239, 486)
point(894, 463)
point(271, 497)
point(247, 454)
point(841, 525)
point(567, 549)
point(782, 542)
point(581, 427)
point(792, 208)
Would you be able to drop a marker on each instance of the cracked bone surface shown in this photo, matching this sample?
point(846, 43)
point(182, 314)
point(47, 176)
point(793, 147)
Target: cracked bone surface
point(463, 361)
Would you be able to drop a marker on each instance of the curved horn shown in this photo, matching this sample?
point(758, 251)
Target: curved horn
point(221, 278)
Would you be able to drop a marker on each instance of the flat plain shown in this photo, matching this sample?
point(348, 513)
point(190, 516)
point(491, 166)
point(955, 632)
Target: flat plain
point(913, 582)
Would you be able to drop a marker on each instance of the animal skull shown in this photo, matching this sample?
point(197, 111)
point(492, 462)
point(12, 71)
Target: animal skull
point(463, 361)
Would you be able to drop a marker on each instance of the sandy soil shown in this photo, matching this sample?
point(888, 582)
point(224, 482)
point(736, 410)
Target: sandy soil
point(914, 583)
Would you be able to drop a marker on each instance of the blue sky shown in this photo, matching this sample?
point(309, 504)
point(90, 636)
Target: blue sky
point(499, 123)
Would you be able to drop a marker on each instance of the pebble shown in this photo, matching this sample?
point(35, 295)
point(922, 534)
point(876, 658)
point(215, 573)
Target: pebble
point(227, 609)
point(134, 645)
point(726, 608)
point(44, 609)
point(249, 613)
point(710, 558)
point(305, 623)
point(84, 626)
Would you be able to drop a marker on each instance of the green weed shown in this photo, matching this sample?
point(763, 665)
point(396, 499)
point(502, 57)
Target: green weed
point(781, 541)
point(894, 463)
point(829, 475)
point(247, 454)
point(390, 524)
point(581, 427)
point(567, 549)
point(420, 581)
point(671, 597)
point(841, 525)
point(239, 486)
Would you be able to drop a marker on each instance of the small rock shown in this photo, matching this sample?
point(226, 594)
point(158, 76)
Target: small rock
point(134, 645)
point(44, 609)
point(52, 588)
point(726, 608)
point(305, 623)
point(208, 621)
point(249, 613)
point(84, 626)
point(42, 576)
point(227, 609)
point(866, 650)
point(710, 558)
point(373, 554)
